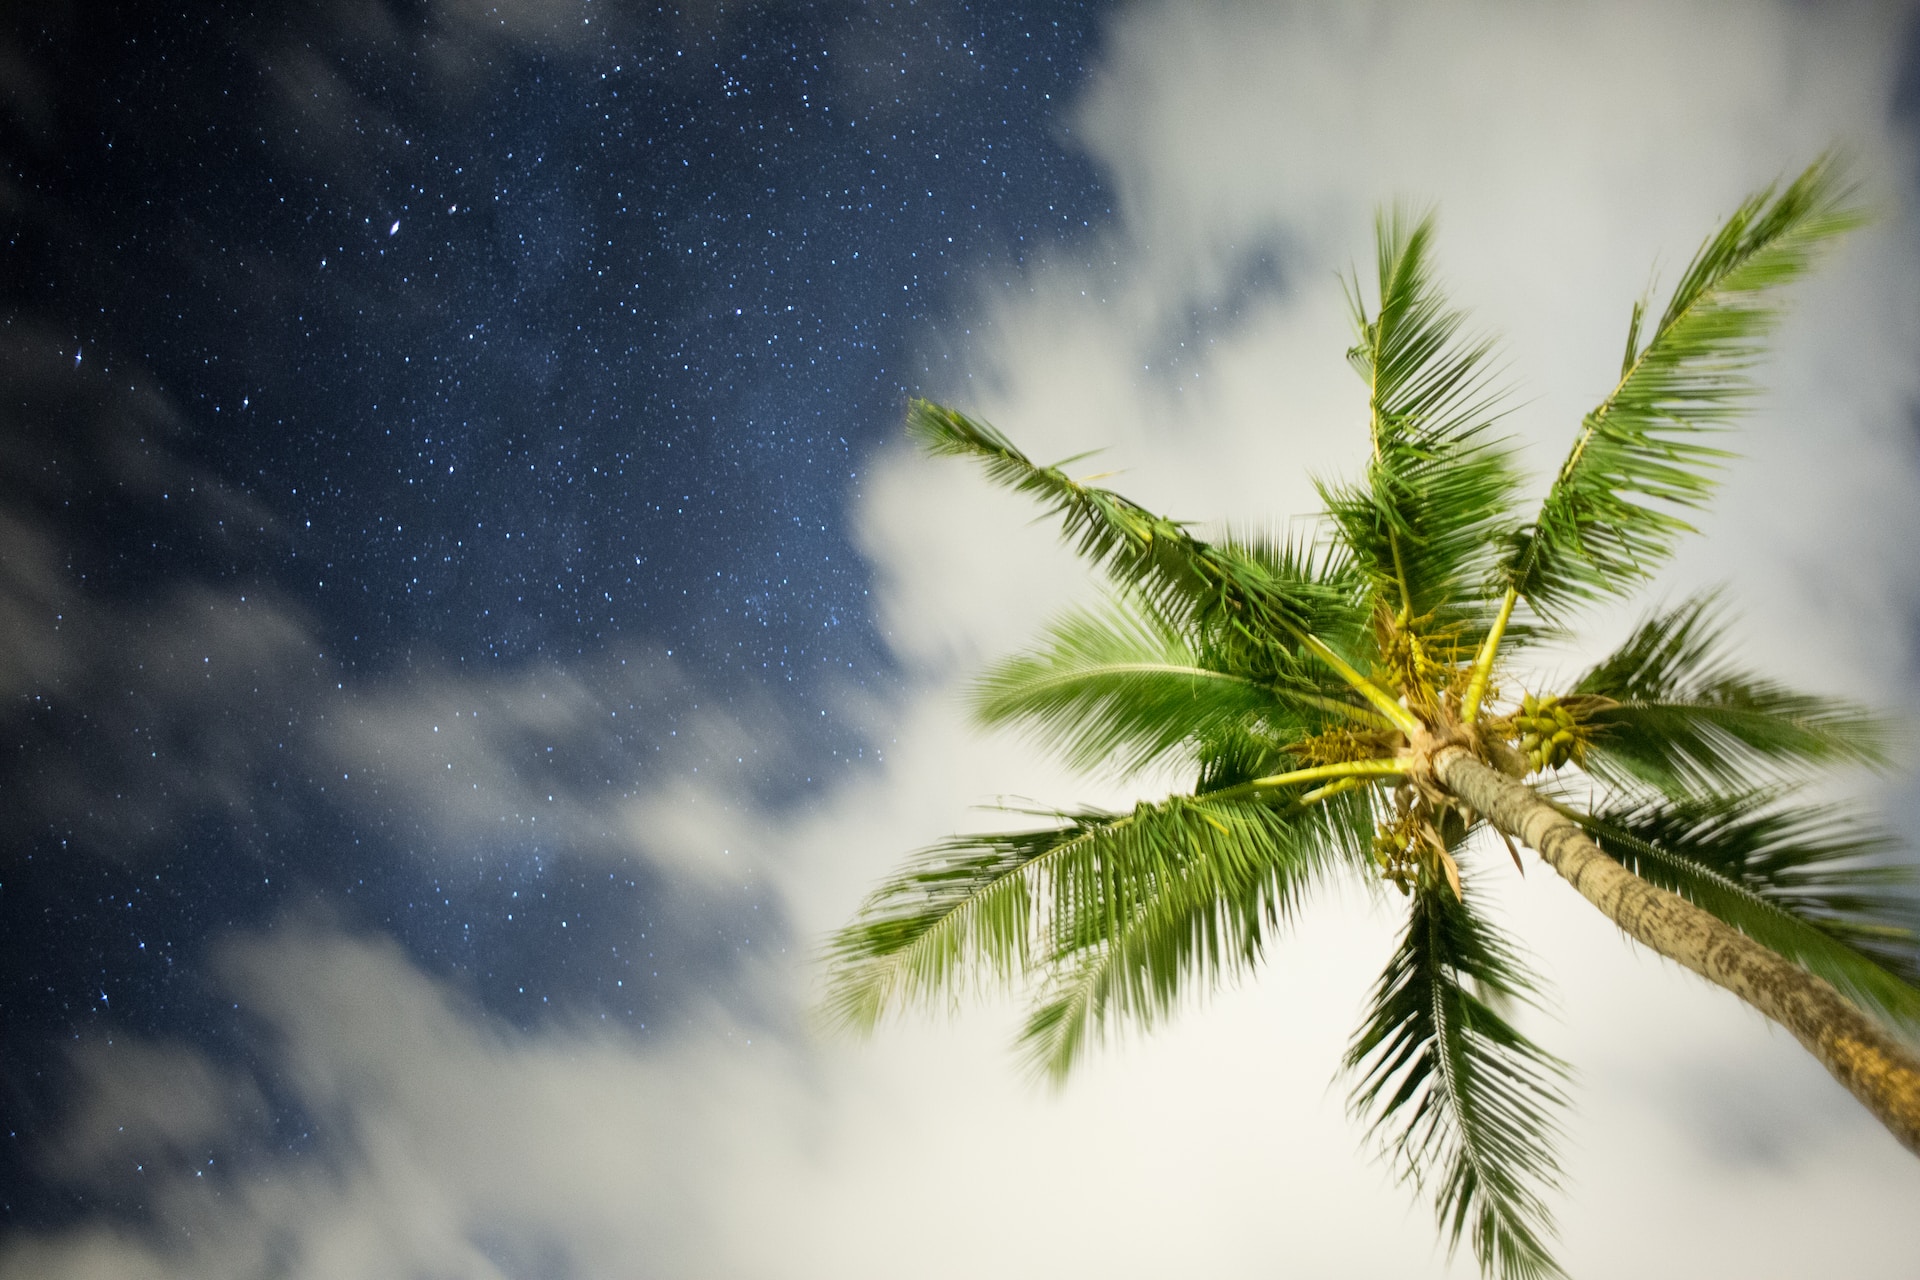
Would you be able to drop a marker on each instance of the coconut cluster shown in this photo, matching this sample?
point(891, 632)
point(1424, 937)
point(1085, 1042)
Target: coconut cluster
point(1548, 732)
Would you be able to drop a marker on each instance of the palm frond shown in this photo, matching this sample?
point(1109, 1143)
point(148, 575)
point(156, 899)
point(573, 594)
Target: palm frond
point(1439, 488)
point(958, 911)
point(1234, 754)
point(1121, 687)
point(1461, 1097)
point(1334, 584)
point(987, 908)
point(1612, 514)
point(1246, 872)
point(1803, 881)
point(1269, 598)
point(1686, 719)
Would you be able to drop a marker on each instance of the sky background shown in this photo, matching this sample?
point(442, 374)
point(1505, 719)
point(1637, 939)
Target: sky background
point(469, 623)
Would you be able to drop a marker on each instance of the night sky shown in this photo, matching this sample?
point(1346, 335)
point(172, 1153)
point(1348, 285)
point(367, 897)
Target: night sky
point(473, 351)
point(468, 623)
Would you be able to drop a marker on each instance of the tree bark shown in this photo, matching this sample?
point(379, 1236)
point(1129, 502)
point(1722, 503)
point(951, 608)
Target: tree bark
point(1877, 1069)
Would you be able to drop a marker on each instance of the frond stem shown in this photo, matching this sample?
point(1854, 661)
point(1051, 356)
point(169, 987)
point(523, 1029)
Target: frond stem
point(1346, 709)
point(1373, 429)
point(1358, 770)
point(1338, 787)
point(1483, 661)
point(1400, 576)
point(1397, 715)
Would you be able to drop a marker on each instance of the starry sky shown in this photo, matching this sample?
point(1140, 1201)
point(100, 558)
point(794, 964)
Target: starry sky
point(469, 623)
point(386, 346)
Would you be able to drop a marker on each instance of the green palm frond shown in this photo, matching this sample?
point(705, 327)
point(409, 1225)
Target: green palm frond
point(1246, 870)
point(1463, 1098)
point(1332, 581)
point(1803, 881)
point(1439, 488)
point(1237, 753)
point(1271, 599)
point(987, 908)
point(1612, 514)
point(1136, 545)
point(1686, 719)
point(957, 911)
point(1121, 687)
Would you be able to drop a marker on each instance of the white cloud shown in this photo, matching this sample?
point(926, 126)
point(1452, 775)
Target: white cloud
point(617, 757)
point(164, 697)
point(150, 1104)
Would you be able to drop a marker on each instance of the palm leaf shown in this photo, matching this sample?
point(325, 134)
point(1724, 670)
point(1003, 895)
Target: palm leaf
point(1438, 488)
point(956, 909)
point(1612, 514)
point(1330, 580)
point(1237, 753)
point(1464, 1096)
point(1802, 881)
point(1122, 687)
point(988, 908)
point(1686, 719)
point(1246, 871)
point(1269, 598)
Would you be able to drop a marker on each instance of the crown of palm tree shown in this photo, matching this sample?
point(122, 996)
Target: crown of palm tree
point(1339, 699)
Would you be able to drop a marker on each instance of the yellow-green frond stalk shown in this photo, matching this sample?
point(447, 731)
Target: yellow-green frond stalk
point(1479, 680)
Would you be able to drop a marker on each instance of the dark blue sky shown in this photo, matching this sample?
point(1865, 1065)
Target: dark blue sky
point(351, 348)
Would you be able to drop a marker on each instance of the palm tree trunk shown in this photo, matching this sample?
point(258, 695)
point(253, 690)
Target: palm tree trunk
point(1883, 1074)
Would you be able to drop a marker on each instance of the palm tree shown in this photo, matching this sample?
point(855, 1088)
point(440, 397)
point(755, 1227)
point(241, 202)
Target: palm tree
point(1340, 700)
